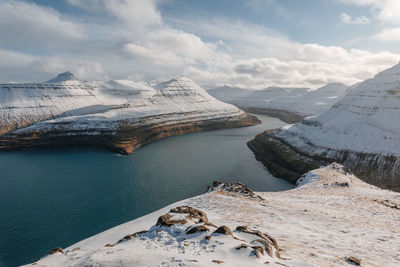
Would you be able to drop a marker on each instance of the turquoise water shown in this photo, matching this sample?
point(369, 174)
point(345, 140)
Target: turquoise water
point(54, 198)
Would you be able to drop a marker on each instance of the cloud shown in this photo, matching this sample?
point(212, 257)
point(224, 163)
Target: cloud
point(22, 22)
point(172, 47)
point(387, 11)
point(346, 18)
point(10, 59)
point(110, 41)
point(389, 34)
point(135, 13)
point(349, 67)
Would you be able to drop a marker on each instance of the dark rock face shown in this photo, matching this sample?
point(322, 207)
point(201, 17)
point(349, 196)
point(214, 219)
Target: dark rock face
point(285, 161)
point(283, 115)
point(125, 140)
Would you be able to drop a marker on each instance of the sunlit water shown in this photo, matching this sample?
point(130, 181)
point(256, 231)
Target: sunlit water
point(54, 198)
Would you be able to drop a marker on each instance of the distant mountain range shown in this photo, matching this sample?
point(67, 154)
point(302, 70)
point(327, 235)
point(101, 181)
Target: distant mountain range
point(289, 104)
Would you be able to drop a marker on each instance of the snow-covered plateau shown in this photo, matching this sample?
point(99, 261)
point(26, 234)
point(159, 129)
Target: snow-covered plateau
point(330, 219)
point(119, 115)
point(288, 104)
point(361, 131)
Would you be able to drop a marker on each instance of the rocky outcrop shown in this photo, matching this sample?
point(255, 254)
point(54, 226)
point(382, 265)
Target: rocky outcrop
point(117, 115)
point(314, 224)
point(361, 132)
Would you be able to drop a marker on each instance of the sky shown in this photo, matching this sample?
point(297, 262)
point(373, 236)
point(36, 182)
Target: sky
point(251, 44)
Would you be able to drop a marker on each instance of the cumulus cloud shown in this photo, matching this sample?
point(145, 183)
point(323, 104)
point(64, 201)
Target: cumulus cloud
point(137, 42)
point(346, 18)
point(349, 67)
point(388, 11)
point(136, 13)
point(22, 22)
point(389, 34)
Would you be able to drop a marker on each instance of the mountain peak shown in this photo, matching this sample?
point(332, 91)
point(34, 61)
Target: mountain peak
point(65, 77)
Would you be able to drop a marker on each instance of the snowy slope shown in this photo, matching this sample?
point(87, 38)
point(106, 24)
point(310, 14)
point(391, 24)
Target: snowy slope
point(318, 101)
point(365, 120)
point(361, 131)
point(66, 106)
point(312, 225)
point(299, 101)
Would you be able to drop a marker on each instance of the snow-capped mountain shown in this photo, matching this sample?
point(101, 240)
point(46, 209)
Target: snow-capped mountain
point(311, 225)
point(288, 104)
point(122, 114)
point(317, 101)
point(362, 131)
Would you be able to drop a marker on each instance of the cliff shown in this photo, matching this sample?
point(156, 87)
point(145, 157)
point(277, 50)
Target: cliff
point(117, 115)
point(361, 131)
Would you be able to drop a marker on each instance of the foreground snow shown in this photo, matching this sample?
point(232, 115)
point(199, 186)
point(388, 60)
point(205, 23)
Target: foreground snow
point(329, 218)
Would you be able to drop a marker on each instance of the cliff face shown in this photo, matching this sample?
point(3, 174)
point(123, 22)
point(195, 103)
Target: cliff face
point(117, 115)
point(361, 131)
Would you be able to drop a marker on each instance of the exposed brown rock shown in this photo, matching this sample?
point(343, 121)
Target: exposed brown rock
point(56, 250)
point(388, 203)
point(130, 236)
point(223, 230)
point(165, 220)
point(192, 213)
point(218, 261)
point(235, 189)
point(197, 229)
point(266, 239)
point(258, 251)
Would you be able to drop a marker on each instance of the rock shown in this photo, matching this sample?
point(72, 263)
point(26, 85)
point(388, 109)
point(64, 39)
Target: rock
point(165, 220)
point(235, 189)
point(197, 229)
point(218, 261)
point(223, 230)
point(56, 250)
point(268, 241)
point(258, 251)
point(130, 236)
point(353, 260)
point(192, 213)
point(242, 246)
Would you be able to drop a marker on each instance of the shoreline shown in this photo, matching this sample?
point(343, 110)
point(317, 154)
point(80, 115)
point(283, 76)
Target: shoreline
point(308, 235)
point(125, 139)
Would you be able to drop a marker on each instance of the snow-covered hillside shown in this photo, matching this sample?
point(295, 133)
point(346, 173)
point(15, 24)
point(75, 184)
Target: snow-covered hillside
point(66, 111)
point(312, 225)
point(289, 104)
point(361, 131)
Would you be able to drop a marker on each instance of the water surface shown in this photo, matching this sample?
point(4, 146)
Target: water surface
point(55, 198)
